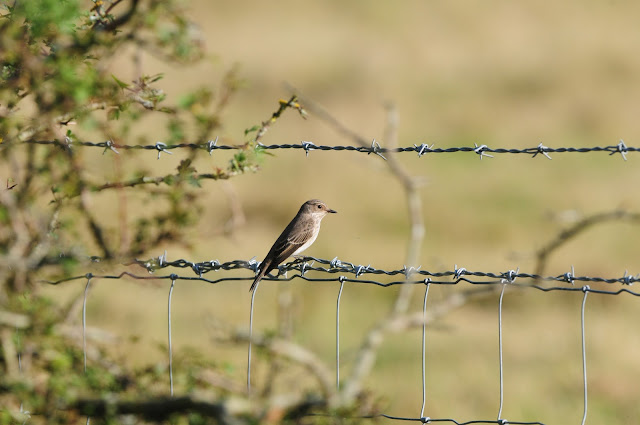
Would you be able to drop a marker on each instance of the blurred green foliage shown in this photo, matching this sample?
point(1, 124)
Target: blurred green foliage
point(58, 87)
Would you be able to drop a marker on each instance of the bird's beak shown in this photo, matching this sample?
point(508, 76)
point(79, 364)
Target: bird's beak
point(332, 211)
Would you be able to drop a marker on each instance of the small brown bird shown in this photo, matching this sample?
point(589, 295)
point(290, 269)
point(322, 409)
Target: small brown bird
point(296, 237)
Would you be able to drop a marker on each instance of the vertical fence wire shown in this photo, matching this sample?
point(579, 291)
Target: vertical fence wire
point(253, 297)
point(84, 329)
point(504, 285)
point(424, 337)
point(173, 282)
point(585, 289)
point(338, 336)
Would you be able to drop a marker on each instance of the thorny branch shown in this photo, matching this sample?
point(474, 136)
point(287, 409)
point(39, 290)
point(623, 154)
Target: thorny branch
point(283, 105)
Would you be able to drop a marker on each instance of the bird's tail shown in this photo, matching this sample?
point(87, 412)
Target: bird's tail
point(258, 278)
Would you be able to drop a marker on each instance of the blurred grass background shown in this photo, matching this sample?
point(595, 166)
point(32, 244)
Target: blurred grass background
point(505, 74)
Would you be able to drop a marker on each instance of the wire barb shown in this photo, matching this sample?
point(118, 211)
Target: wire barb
point(308, 147)
point(303, 268)
point(543, 150)
point(481, 150)
point(622, 149)
point(510, 276)
point(377, 149)
point(211, 145)
point(458, 272)
point(629, 279)
point(569, 277)
point(408, 271)
point(197, 269)
point(423, 148)
point(253, 265)
point(109, 145)
point(161, 147)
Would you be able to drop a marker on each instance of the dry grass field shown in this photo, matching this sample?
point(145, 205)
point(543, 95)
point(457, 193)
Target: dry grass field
point(501, 73)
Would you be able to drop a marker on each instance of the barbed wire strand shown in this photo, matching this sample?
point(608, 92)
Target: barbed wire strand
point(338, 266)
point(424, 337)
point(421, 149)
point(338, 336)
point(586, 290)
point(459, 276)
point(500, 364)
point(173, 283)
point(253, 297)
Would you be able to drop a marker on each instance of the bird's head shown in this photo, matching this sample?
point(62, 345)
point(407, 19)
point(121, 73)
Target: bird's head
point(317, 208)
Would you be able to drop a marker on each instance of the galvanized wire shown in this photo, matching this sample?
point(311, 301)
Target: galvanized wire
point(584, 351)
point(338, 336)
point(253, 298)
point(500, 363)
point(173, 283)
point(424, 337)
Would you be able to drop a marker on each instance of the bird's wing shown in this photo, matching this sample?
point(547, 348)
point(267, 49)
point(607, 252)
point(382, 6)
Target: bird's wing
point(285, 246)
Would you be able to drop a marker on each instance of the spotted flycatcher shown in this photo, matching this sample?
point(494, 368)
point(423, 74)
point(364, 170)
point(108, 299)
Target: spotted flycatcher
point(296, 237)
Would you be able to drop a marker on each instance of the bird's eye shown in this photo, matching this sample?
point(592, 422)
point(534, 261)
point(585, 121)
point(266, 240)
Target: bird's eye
point(320, 206)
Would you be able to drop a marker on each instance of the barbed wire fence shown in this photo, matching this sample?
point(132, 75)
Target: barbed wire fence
point(342, 272)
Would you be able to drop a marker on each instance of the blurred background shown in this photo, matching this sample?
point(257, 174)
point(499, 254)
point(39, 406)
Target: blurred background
point(505, 74)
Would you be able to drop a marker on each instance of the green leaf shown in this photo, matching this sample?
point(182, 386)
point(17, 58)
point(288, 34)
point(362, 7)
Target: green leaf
point(154, 78)
point(113, 114)
point(49, 16)
point(187, 100)
point(185, 167)
point(251, 130)
point(121, 83)
point(260, 150)
point(194, 181)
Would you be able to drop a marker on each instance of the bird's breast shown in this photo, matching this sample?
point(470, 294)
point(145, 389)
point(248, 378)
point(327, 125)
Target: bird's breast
point(308, 243)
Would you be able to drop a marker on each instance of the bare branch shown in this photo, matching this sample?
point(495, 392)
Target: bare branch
point(281, 348)
point(580, 226)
